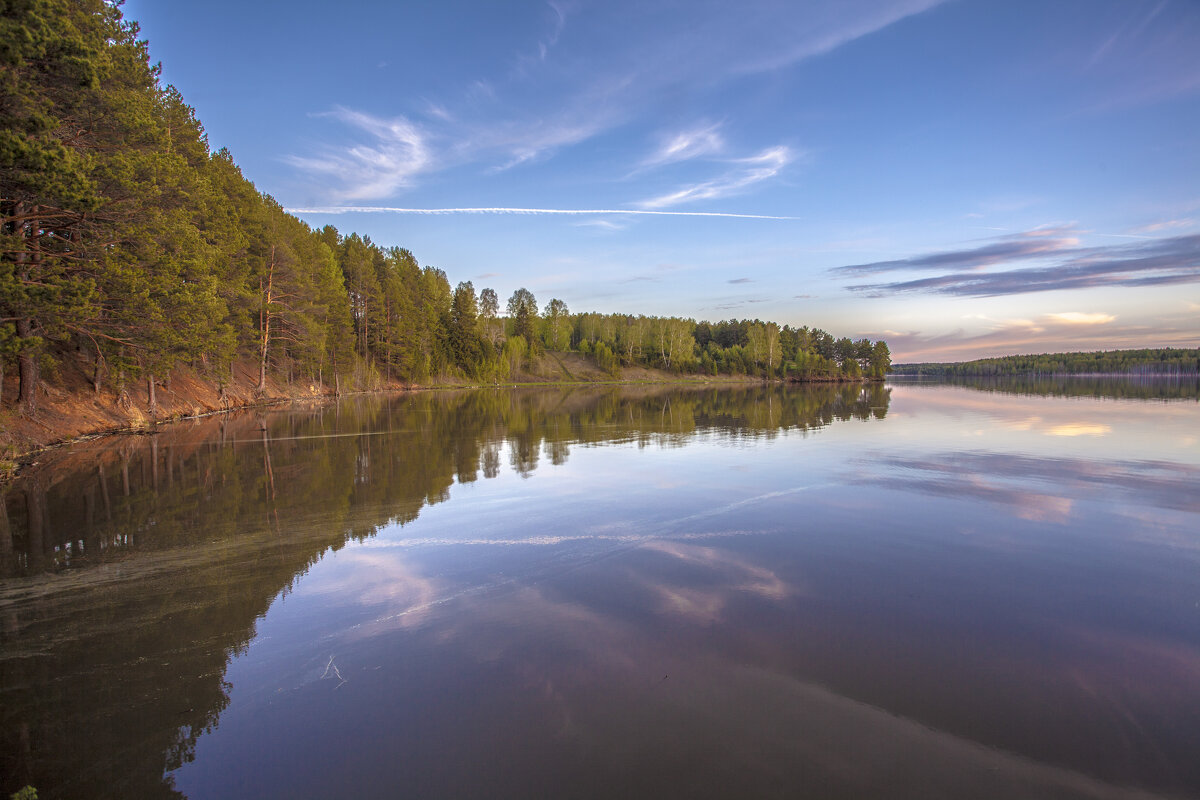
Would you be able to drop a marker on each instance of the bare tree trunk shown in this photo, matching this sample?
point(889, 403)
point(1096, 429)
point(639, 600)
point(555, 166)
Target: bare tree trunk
point(97, 371)
point(366, 330)
point(264, 323)
point(123, 391)
point(151, 397)
point(27, 369)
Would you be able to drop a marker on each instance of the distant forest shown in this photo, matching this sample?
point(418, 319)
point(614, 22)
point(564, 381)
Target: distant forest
point(128, 243)
point(1160, 361)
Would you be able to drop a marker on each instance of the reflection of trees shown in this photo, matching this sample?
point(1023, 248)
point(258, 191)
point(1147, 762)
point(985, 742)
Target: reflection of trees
point(367, 463)
point(169, 547)
point(1179, 387)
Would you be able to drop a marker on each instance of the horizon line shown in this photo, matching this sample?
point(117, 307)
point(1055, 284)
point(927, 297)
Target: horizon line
point(527, 211)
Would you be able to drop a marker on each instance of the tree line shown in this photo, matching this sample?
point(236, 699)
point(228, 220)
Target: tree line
point(126, 241)
point(1162, 361)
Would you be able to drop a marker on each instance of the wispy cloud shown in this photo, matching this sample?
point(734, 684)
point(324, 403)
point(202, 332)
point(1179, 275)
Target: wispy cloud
point(1150, 58)
point(684, 145)
point(1159, 262)
point(1017, 247)
point(1081, 318)
point(525, 211)
point(740, 280)
point(560, 22)
point(524, 144)
point(525, 61)
point(570, 88)
point(1056, 332)
point(395, 152)
point(744, 173)
point(733, 304)
point(1166, 225)
point(602, 224)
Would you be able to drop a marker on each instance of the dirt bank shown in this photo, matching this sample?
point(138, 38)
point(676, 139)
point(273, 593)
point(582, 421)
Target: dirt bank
point(69, 409)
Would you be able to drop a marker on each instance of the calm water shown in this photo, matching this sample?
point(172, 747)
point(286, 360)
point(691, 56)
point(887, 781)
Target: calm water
point(912, 591)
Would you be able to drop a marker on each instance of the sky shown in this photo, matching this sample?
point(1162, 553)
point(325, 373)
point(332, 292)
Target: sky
point(963, 178)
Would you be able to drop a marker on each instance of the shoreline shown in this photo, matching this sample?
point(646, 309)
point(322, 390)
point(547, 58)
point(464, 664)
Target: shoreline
point(71, 412)
point(138, 423)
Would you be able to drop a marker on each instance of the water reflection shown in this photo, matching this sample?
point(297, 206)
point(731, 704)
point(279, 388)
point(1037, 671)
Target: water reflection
point(216, 477)
point(1006, 479)
point(642, 591)
point(1130, 387)
point(163, 550)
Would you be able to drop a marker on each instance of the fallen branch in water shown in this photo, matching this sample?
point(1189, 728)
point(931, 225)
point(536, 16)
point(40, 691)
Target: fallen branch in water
point(336, 672)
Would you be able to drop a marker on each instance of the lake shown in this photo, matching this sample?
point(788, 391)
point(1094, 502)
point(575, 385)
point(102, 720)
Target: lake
point(911, 590)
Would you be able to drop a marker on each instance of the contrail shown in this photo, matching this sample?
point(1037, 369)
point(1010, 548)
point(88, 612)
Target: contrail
point(392, 210)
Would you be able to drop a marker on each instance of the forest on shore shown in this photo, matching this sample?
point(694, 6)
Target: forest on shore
point(1162, 361)
point(128, 242)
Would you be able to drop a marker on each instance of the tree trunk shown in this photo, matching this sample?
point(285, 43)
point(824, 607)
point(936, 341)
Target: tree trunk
point(27, 369)
point(27, 362)
point(264, 323)
point(97, 371)
point(151, 397)
point(366, 330)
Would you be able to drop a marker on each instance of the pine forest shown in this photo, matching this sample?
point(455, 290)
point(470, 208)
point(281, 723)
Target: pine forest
point(128, 242)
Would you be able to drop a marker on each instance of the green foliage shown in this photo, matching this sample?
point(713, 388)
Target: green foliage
point(733, 347)
point(123, 235)
point(1154, 361)
point(516, 351)
point(523, 312)
point(556, 325)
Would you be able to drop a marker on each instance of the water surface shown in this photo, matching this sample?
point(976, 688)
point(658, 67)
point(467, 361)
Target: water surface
point(913, 591)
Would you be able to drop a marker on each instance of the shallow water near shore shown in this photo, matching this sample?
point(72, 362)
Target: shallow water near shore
point(911, 590)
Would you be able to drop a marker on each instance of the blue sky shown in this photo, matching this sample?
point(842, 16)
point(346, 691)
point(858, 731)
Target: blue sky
point(961, 178)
